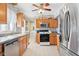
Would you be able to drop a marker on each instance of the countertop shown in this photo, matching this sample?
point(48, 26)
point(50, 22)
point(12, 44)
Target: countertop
point(11, 37)
point(56, 30)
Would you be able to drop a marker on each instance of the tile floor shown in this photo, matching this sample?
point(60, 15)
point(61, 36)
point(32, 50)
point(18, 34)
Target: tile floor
point(35, 49)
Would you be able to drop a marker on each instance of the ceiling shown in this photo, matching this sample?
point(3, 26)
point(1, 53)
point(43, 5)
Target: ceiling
point(28, 7)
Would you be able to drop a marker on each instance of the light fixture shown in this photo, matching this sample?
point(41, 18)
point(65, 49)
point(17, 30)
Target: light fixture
point(41, 11)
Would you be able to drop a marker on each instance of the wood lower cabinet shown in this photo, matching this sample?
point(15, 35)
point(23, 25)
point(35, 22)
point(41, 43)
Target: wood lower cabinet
point(58, 41)
point(1, 50)
point(53, 39)
point(22, 44)
point(3, 13)
point(38, 38)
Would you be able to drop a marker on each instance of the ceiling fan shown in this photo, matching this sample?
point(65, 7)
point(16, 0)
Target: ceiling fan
point(42, 6)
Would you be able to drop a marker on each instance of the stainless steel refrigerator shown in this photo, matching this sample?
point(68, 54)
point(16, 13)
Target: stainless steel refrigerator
point(69, 28)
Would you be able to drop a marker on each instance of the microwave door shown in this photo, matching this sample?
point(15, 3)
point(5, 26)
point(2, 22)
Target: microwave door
point(44, 25)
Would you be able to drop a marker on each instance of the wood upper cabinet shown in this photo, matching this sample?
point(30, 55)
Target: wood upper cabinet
point(20, 19)
point(53, 38)
point(53, 23)
point(41, 20)
point(3, 13)
point(44, 20)
point(38, 38)
point(38, 21)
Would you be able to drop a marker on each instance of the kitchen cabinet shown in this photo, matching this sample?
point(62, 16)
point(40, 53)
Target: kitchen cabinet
point(41, 20)
point(53, 39)
point(1, 50)
point(38, 21)
point(58, 41)
point(38, 38)
point(3, 13)
point(45, 20)
point(22, 44)
point(53, 23)
point(20, 19)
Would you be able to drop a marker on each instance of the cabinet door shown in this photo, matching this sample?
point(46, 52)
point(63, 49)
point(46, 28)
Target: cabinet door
point(58, 41)
point(24, 42)
point(38, 38)
point(41, 20)
point(53, 23)
point(38, 21)
point(53, 38)
point(27, 41)
point(3, 13)
point(22, 45)
point(1, 50)
point(37, 24)
point(20, 19)
point(45, 21)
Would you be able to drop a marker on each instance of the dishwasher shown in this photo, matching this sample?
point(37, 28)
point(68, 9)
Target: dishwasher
point(11, 48)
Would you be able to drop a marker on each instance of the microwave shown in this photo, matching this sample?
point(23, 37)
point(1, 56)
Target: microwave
point(44, 25)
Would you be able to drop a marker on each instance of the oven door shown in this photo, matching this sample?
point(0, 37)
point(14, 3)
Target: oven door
point(44, 37)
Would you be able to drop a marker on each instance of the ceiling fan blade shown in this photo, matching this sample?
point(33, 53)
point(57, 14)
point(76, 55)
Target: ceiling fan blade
point(14, 3)
point(46, 4)
point(35, 10)
point(48, 9)
point(36, 6)
point(41, 7)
